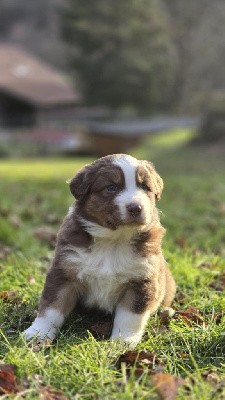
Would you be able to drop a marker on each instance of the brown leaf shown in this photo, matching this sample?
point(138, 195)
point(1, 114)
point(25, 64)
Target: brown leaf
point(49, 393)
point(190, 316)
point(45, 234)
point(141, 359)
point(11, 295)
point(8, 383)
point(166, 385)
point(102, 329)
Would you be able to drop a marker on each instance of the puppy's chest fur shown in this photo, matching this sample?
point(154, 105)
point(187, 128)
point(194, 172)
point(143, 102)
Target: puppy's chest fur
point(106, 268)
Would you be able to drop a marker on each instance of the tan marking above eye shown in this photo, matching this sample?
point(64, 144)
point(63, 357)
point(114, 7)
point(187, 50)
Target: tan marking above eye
point(143, 177)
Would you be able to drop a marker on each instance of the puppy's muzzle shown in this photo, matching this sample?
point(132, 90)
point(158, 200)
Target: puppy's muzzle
point(134, 210)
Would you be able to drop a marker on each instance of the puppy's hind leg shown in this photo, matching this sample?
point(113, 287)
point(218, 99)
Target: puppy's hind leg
point(58, 299)
point(170, 289)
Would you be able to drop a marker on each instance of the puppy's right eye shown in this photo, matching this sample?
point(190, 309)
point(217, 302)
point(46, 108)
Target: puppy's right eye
point(112, 188)
point(145, 187)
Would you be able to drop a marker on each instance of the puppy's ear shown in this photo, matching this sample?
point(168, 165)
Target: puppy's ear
point(80, 184)
point(155, 181)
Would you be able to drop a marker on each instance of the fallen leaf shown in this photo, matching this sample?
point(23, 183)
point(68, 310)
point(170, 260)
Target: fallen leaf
point(190, 316)
point(8, 383)
point(102, 329)
point(45, 234)
point(166, 385)
point(49, 393)
point(141, 359)
point(11, 295)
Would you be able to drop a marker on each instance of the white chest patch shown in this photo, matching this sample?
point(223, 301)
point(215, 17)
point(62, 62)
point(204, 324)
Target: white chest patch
point(107, 266)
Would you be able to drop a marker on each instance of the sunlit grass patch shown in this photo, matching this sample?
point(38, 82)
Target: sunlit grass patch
point(43, 169)
point(173, 138)
point(155, 144)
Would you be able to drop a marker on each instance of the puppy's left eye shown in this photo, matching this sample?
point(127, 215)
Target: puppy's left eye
point(145, 187)
point(112, 188)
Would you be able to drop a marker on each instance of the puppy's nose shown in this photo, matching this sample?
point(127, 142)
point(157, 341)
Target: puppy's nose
point(134, 209)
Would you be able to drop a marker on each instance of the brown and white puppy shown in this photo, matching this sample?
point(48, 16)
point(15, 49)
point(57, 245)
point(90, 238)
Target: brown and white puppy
point(108, 251)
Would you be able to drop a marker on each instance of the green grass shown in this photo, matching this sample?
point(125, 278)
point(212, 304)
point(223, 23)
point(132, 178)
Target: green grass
point(193, 211)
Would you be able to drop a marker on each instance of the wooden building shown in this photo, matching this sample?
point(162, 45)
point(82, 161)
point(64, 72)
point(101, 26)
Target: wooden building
point(33, 93)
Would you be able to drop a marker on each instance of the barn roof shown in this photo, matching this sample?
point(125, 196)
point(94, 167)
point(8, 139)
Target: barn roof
point(24, 76)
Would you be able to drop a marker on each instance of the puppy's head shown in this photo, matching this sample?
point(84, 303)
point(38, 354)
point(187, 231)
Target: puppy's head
point(117, 190)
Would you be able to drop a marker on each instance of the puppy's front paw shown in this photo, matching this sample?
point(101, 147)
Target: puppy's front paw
point(30, 333)
point(129, 326)
point(132, 340)
point(33, 332)
point(40, 330)
point(46, 326)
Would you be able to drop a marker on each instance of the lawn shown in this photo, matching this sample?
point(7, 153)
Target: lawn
point(34, 195)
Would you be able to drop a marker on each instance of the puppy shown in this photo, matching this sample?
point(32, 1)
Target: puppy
point(108, 251)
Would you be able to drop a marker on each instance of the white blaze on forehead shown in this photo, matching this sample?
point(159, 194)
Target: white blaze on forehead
point(128, 165)
point(131, 193)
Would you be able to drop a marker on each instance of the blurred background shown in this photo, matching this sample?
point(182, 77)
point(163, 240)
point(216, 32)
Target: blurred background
point(94, 78)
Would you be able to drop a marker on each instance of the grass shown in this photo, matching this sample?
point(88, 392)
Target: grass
point(34, 193)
